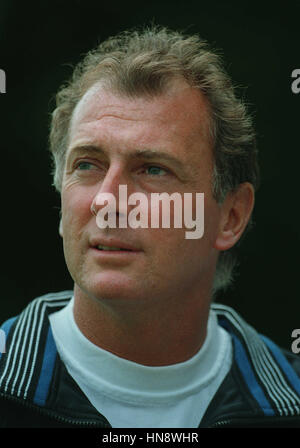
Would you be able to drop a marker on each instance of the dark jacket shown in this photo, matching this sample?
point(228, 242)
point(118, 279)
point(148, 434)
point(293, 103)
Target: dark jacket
point(262, 388)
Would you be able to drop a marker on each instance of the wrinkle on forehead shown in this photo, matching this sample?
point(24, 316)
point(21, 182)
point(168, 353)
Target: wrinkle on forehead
point(180, 102)
point(86, 108)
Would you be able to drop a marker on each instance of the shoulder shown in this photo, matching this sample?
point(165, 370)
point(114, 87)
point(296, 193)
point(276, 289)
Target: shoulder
point(46, 303)
point(268, 375)
point(28, 356)
point(254, 347)
point(25, 337)
point(28, 328)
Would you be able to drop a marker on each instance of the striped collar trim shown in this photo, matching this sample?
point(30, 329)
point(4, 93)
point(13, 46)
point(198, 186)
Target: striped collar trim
point(26, 369)
point(27, 366)
point(269, 377)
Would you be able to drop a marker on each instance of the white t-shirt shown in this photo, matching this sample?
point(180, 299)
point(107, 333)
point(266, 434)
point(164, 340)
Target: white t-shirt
point(132, 395)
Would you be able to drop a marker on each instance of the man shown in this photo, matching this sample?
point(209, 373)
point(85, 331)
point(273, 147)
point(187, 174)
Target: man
point(140, 342)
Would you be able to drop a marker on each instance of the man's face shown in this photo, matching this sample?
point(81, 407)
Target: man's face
point(155, 145)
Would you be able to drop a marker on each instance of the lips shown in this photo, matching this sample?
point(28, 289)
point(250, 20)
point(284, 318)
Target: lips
point(99, 247)
point(113, 245)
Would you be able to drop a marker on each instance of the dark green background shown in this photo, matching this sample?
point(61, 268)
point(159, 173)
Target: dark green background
point(39, 41)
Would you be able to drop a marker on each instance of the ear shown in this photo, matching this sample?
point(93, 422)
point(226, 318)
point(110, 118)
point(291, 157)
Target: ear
point(235, 214)
point(60, 229)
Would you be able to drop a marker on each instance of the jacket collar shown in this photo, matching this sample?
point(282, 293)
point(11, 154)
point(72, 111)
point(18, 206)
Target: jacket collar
point(261, 383)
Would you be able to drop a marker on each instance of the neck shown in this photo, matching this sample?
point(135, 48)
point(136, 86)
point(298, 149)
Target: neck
point(163, 333)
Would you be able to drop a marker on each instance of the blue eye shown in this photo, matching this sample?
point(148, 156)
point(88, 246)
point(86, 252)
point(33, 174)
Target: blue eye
point(154, 170)
point(84, 166)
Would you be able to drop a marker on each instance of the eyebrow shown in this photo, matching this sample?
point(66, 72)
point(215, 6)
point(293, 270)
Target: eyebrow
point(148, 154)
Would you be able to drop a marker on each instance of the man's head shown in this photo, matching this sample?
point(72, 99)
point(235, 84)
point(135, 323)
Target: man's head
point(144, 66)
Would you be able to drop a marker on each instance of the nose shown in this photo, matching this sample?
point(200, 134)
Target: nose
point(114, 190)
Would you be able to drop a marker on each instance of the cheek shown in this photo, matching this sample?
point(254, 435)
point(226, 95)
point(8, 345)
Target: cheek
point(176, 262)
point(75, 216)
point(212, 219)
point(169, 245)
point(75, 206)
point(172, 244)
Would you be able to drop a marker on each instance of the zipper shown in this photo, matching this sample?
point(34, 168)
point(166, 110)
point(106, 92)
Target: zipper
point(234, 422)
point(252, 422)
point(57, 417)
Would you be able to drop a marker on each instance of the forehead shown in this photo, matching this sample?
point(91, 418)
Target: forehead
point(179, 117)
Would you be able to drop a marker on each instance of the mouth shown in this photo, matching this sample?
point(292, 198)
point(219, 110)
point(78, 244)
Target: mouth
point(114, 252)
point(112, 248)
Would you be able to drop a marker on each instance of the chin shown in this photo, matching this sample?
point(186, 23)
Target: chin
point(112, 287)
